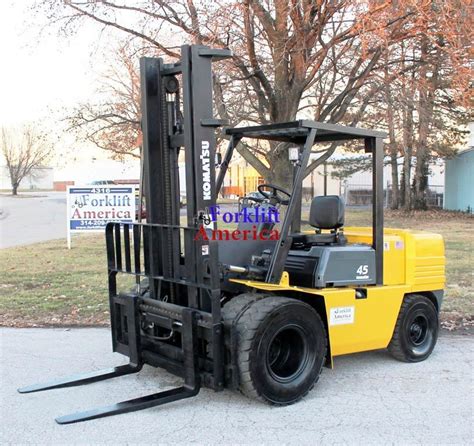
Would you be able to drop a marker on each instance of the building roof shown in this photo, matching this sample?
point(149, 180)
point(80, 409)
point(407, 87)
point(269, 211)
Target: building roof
point(464, 151)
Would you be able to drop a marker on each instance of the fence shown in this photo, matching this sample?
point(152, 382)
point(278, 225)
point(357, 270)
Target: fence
point(361, 195)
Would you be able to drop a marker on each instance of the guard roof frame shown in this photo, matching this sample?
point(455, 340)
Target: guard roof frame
point(297, 131)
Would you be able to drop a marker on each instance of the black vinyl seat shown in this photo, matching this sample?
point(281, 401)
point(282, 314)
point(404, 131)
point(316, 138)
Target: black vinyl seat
point(326, 212)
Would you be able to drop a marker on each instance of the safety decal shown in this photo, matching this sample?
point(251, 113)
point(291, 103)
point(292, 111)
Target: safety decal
point(341, 315)
point(399, 244)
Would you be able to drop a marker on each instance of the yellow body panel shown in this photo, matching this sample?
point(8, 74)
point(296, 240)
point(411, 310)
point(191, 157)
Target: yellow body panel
point(413, 262)
point(412, 258)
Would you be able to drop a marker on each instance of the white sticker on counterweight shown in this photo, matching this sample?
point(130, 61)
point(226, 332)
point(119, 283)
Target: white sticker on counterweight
point(341, 315)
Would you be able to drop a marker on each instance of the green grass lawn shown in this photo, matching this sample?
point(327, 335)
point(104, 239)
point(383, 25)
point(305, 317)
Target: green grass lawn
point(47, 284)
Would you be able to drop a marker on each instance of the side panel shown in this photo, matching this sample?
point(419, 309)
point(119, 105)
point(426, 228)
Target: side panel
point(393, 254)
point(425, 268)
point(414, 258)
point(360, 324)
point(345, 265)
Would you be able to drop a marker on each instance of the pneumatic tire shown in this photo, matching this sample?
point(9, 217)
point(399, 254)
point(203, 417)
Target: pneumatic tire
point(416, 330)
point(281, 349)
point(237, 304)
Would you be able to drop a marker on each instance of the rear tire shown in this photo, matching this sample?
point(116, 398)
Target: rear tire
point(416, 331)
point(281, 349)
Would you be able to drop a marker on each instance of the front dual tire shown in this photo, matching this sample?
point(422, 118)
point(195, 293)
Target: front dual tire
point(281, 346)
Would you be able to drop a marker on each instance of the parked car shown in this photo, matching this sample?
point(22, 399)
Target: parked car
point(102, 182)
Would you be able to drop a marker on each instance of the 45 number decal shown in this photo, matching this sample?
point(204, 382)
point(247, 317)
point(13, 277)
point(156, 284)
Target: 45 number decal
point(362, 272)
point(363, 269)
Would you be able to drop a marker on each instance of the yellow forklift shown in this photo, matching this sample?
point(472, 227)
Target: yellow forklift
point(261, 314)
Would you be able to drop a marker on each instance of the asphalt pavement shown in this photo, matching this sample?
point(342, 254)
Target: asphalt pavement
point(368, 398)
point(38, 218)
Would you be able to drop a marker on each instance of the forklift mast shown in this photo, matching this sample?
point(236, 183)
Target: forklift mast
point(175, 321)
point(167, 129)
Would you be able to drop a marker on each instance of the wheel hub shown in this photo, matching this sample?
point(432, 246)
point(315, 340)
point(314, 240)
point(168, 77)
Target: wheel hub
point(418, 330)
point(287, 354)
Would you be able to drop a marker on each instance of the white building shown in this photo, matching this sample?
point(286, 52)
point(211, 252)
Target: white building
point(40, 178)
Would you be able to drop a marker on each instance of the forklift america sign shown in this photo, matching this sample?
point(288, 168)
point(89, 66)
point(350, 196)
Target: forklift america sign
point(91, 208)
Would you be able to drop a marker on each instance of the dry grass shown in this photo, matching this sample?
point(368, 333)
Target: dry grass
point(46, 284)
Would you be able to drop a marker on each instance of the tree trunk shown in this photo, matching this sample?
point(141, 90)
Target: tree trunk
point(407, 148)
point(427, 86)
point(402, 187)
point(395, 198)
point(407, 179)
point(419, 182)
point(281, 172)
point(419, 201)
point(407, 136)
point(408, 153)
point(15, 189)
point(423, 122)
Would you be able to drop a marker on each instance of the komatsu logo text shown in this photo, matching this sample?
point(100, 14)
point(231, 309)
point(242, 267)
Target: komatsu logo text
point(206, 170)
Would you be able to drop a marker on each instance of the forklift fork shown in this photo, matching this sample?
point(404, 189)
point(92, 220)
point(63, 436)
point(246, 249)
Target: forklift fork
point(83, 378)
point(189, 389)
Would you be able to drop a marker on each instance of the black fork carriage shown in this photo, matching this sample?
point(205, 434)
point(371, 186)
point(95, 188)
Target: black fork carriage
point(153, 330)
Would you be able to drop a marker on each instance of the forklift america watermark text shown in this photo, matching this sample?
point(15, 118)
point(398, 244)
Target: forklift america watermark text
point(262, 221)
point(257, 214)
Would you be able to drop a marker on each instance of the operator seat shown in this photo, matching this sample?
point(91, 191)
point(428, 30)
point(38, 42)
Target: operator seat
point(326, 212)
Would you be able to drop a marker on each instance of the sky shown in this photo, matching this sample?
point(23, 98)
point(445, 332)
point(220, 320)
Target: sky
point(43, 75)
point(40, 71)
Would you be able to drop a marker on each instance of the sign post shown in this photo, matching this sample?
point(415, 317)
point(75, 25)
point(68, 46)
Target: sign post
point(89, 209)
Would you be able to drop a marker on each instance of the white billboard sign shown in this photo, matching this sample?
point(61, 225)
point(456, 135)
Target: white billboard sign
point(91, 208)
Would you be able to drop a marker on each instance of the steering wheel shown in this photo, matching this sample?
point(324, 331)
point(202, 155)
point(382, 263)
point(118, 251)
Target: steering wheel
point(273, 197)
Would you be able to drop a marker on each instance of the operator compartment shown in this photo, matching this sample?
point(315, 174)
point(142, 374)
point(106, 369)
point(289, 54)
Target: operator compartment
point(346, 258)
point(325, 259)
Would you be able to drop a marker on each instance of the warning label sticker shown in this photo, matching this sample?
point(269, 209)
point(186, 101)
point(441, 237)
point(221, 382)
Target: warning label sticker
point(399, 244)
point(341, 315)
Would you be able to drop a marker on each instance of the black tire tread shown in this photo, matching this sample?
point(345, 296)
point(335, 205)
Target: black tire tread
point(395, 346)
point(247, 330)
point(232, 308)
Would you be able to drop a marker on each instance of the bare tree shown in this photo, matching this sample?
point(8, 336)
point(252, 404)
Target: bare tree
point(112, 122)
point(424, 102)
point(23, 151)
point(281, 48)
point(330, 58)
